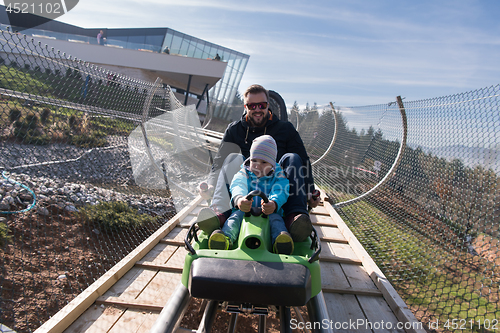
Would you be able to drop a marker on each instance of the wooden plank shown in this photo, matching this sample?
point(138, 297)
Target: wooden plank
point(333, 240)
point(324, 224)
point(134, 321)
point(170, 260)
point(327, 255)
point(176, 236)
point(322, 219)
point(131, 304)
point(199, 207)
point(341, 260)
point(332, 275)
point(320, 210)
point(344, 312)
point(158, 255)
point(65, 317)
point(353, 291)
point(151, 288)
point(95, 319)
point(340, 250)
point(130, 285)
point(396, 303)
point(329, 234)
point(335, 280)
point(172, 242)
point(159, 290)
point(377, 311)
point(187, 221)
point(358, 277)
point(177, 259)
point(163, 268)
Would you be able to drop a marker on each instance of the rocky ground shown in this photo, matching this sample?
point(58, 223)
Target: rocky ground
point(52, 255)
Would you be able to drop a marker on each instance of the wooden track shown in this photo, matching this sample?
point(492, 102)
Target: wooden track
point(130, 296)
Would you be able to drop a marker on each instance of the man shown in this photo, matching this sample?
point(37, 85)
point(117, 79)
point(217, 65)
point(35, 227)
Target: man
point(258, 120)
point(100, 37)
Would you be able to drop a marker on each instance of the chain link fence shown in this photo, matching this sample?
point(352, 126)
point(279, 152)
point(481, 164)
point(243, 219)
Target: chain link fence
point(70, 208)
point(417, 183)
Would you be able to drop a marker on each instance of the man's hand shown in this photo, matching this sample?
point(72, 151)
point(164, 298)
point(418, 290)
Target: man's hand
point(268, 208)
point(313, 200)
point(244, 204)
point(206, 191)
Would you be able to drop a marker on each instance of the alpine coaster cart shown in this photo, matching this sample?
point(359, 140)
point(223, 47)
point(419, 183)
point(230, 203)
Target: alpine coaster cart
point(248, 278)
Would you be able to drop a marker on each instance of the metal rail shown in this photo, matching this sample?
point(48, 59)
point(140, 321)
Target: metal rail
point(333, 139)
point(394, 165)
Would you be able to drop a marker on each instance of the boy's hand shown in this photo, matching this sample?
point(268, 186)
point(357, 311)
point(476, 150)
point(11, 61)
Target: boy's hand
point(314, 202)
point(244, 204)
point(268, 208)
point(205, 191)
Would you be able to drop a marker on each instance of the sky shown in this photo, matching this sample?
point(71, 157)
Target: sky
point(350, 53)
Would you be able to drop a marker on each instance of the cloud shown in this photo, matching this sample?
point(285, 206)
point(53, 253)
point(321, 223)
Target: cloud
point(300, 10)
point(330, 50)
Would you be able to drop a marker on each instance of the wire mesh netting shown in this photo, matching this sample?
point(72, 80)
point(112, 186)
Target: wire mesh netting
point(73, 198)
point(417, 183)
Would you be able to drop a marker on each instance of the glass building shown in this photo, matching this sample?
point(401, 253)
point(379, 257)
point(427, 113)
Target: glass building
point(152, 40)
point(178, 43)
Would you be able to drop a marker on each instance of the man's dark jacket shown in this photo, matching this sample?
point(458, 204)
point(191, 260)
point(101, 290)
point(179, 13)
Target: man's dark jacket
point(242, 134)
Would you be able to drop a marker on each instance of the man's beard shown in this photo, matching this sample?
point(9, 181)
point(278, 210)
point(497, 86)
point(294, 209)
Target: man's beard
point(262, 122)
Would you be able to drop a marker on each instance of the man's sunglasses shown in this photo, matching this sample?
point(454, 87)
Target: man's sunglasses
point(253, 106)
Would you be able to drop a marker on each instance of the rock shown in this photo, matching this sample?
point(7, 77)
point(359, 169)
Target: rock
point(70, 208)
point(9, 249)
point(42, 211)
point(25, 197)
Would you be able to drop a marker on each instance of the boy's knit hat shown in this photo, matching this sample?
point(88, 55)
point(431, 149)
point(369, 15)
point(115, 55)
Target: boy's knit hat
point(264, 148)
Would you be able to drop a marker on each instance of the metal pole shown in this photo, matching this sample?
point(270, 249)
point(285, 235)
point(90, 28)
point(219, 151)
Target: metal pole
point(299, 316)
point(317, 310)
point(187, 90)
point(201, 96)
point(172, 313)
point(208, 117)
point(232, 323)
point(208, 317)
point(285, 318)
point(262, 324)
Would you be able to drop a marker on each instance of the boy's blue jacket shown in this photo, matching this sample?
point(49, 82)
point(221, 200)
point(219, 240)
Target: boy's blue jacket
point(276, 186)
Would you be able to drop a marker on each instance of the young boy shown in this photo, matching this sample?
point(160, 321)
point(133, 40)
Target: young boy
point(259, 172)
